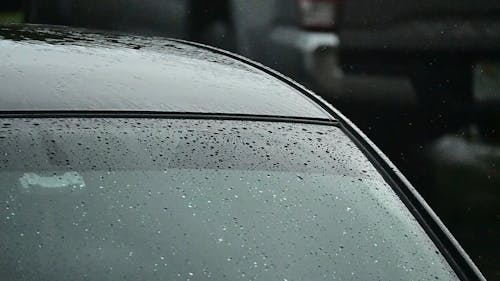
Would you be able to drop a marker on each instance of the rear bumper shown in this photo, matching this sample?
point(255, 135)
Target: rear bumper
point(309, 57)
point(313, 59)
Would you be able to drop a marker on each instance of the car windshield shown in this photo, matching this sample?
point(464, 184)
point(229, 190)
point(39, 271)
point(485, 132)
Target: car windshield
point(169, 199)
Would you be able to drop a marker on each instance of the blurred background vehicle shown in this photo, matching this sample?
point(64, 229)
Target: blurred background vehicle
point(421, 78)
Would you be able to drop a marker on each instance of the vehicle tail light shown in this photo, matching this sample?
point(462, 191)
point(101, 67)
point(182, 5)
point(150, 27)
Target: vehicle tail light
point(318, 14)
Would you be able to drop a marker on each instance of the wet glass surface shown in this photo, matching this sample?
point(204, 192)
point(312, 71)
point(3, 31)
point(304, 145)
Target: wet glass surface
point(138, 199)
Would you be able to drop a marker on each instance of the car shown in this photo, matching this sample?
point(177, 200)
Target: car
point(142, 158)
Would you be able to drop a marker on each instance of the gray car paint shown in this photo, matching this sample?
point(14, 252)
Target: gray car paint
point(48, 68)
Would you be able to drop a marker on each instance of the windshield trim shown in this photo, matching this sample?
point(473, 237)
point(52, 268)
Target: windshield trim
point(163, 115)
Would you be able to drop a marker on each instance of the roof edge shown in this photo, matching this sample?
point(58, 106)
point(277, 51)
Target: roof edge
point(310, 96)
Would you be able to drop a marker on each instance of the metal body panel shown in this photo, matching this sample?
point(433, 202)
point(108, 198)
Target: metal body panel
point(45, 68)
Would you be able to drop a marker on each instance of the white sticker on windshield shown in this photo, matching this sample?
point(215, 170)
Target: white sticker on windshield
point(68, 180)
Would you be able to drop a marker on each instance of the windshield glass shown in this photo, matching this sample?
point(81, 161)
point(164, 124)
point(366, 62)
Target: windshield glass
point(141, 199)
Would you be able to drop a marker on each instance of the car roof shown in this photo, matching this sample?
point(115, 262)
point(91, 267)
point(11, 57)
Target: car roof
point(44, 68)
